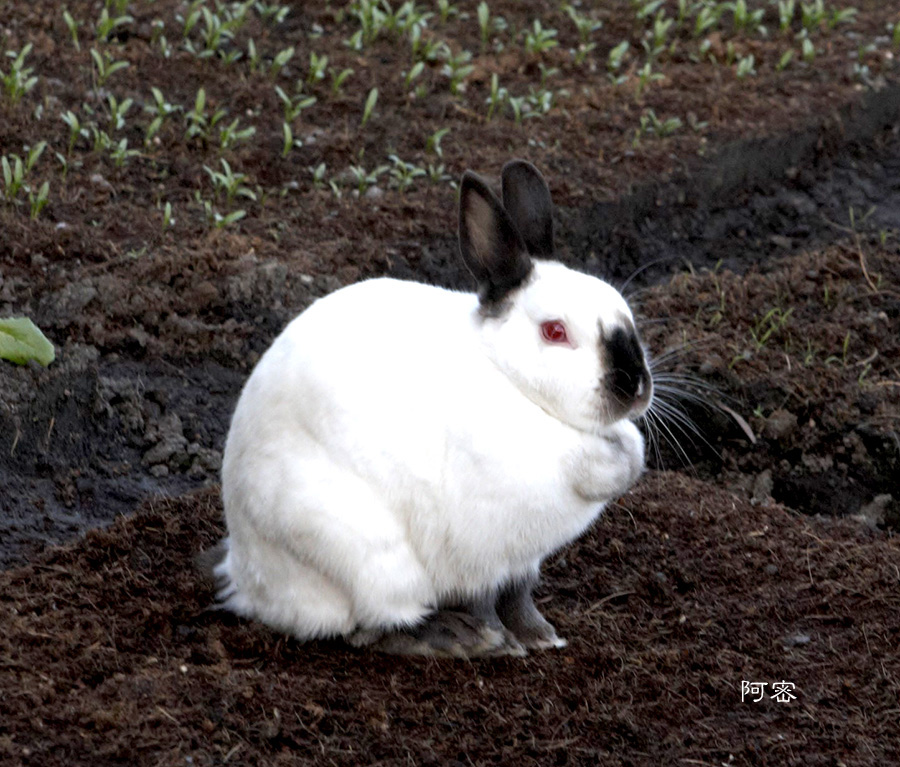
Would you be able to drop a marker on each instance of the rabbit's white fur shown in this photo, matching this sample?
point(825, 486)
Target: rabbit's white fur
point(398, 448)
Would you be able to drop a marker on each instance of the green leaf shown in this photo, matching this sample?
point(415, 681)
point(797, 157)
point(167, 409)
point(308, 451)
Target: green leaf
point(21, 340)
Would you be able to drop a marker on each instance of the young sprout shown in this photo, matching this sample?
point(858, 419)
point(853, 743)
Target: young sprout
point(446, 9)
point(645, 76)
point(457, 68)
point(784, 60)
point(403, 174)
point(745, 20)
point(289, 142)
point(161, 109)
point(746, 66)
point(786, 9)
point(614, 61)
point(273, 14)
point(317, 68)
point(105, 66)
point(19, 80)
point(232, 134)
point(484, 24)
point(37, 201)
point(199, 124)
point(280, 61)
point(497, 97)
point(338, 79)
point(293, 106)
point(117, 112)
point(230, 183)
point(585, 25)
point(414, 71)
point(168, 222)
point(538, 40)
point(652, 125)
point(433, 142)
point(107, 24)
point(72, 26)
point(368, 108)
point(120, 153)
point(365, 179)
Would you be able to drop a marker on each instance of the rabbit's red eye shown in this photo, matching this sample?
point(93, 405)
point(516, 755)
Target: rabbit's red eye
point(554, 332)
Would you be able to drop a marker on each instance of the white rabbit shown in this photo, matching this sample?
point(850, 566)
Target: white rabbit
point(404, 456)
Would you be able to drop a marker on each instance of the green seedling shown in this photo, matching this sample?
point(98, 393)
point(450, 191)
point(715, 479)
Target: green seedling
point(216, 219)
point(784, 60)
point(280, 61)
point(318, 175)
point(75, 129)
point(369, 107)
point(364, 178)
point(318, 65)
point(161, 111)
point(21, 342)
point(614, 61)
point(157, 27)
point(645, 76)
point(644, 9)
point(37, 201)
point(519, 106)
point(745, 20)
point(538, 40)
point(288, 140)
point(403, 174)
point(167, 221)
point(746, 66)
point(105, 66)
point(773, 321)
point(229, 183)
point(199, 123)
point(651, 125)
point(585, 25)
point(107, 24)
point(19, 80)
point(446, 10)
point(484, 24)
point(807, 50)
point(72, 26)
point(293, 106)
point(117, 112)
point(414, 71)
point(457, 69)
point(121, 154)
point(706, 19)
point(786, 11)
point(232, 134)
point(433, 142)
point(338, 79)
point(273, 13)
point(497, 97)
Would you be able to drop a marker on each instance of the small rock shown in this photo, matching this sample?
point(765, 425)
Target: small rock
point(101, 183)
point(762, 487)
point(873, 514)
point(771, 569)
point(373, 193)
point(159, 471)
point(779, 425)
point(796, 640)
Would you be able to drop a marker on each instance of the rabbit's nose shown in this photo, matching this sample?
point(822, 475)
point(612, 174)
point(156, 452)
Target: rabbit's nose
point(627, 376)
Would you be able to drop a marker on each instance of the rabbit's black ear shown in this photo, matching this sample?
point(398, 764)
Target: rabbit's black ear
point(489, 242)
point(526, 198)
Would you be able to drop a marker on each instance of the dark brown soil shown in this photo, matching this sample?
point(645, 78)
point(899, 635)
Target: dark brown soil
point(759, 244)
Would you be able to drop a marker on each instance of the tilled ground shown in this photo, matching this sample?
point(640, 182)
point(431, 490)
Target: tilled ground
point(759, 245)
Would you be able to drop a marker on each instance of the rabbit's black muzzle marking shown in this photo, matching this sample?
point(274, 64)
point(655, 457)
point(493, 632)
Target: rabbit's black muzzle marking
point(628, 380)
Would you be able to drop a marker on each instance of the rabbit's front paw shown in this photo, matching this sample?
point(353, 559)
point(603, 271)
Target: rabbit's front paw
point(609, 463)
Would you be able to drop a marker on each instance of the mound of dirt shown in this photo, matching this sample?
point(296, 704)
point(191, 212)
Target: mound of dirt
point(676, 598)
